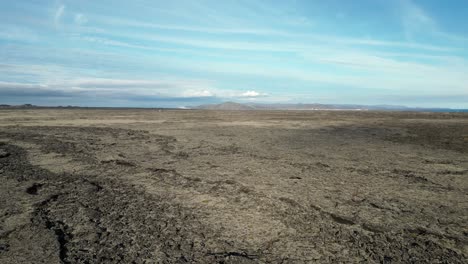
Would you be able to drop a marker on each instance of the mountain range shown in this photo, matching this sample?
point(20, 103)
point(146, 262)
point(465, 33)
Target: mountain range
point(233, 106)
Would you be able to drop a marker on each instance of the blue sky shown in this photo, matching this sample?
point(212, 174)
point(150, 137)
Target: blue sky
point(178, 53)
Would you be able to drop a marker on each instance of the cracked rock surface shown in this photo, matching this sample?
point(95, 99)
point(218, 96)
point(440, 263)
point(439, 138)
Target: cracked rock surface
point(141, 186)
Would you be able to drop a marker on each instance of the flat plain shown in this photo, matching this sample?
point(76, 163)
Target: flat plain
point(194, 186)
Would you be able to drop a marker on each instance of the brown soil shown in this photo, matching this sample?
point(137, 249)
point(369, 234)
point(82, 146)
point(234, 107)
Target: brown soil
point(145, 186)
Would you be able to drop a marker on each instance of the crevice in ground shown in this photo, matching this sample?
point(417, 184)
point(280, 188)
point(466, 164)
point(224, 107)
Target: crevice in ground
point(114, 222)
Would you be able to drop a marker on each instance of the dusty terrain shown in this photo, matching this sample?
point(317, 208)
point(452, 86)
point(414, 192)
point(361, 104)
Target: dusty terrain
point(148, 186)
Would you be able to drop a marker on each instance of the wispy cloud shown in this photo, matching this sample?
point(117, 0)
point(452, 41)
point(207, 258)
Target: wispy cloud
point(318, 44)
point(285, 35)
point(58, 14)
point(417, 22)
point(415, 19)
point(190, 28)
point(80, 19)
point(17, 33)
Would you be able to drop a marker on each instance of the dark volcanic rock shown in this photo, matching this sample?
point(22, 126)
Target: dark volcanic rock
point(4, 153)
point(233, 187)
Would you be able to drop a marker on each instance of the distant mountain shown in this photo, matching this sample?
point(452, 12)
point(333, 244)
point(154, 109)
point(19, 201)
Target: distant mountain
point(253, 106)
point(18, 106)
point(350, 107)
point(226, 106)
point(291, 106)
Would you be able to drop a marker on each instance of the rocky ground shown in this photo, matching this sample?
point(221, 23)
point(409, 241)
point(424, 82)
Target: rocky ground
point(149, 186)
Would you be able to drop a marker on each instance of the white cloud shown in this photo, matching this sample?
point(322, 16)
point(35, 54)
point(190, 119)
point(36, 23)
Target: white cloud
point(252, 94)
point(198, 93)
